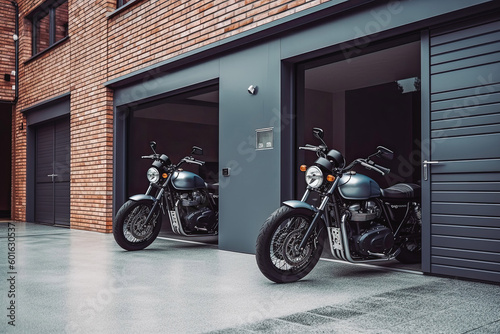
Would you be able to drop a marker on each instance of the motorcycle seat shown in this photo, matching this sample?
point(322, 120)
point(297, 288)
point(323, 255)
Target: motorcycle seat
point(402, 191)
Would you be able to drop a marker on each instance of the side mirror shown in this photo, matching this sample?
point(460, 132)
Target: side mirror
point(385, 153)
point(318, 133)
point(197, 150)
point(152, 144)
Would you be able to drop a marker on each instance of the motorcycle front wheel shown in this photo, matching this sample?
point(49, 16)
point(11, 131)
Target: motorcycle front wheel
point(277, 250)
point(130, 229)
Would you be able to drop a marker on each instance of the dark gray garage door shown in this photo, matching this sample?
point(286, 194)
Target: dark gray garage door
point(52, 192)
point(465, 140)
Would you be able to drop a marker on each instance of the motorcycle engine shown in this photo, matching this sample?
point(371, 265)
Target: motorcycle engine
point(367, 236)
point(197, 215)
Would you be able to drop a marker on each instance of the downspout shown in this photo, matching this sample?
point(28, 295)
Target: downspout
point(16, 43)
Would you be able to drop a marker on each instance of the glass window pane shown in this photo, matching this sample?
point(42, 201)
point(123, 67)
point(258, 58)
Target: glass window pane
point(61, 23)
point(42, 32)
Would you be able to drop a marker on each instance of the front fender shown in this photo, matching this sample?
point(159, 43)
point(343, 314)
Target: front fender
point(295, 204)
point(142, 197)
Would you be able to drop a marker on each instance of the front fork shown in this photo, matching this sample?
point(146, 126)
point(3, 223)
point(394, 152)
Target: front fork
point(320, 212)
point(156, 203)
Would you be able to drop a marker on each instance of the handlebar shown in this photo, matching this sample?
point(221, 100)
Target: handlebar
point(374, 166)
point(191, 160)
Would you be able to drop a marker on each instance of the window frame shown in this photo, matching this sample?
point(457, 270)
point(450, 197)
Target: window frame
point(46, 9)
point(119, 3)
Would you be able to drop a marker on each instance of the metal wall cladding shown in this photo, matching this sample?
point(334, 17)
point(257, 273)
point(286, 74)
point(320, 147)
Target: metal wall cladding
point(465, 139)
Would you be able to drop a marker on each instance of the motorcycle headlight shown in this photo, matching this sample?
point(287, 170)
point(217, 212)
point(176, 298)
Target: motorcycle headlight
point(314, 177)
point(153, 175)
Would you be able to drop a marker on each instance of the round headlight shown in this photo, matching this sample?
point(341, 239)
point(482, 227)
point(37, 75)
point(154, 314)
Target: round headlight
point(153, 175)
point(314, 177)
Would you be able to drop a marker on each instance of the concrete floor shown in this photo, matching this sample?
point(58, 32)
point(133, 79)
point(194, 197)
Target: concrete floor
point(70, 281)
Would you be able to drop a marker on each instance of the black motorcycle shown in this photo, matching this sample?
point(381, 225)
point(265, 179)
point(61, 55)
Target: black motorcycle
point(191, 204)
point(364, 223)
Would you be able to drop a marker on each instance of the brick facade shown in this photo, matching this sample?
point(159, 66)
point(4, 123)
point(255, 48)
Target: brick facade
point(7, 55)
point(101, 47)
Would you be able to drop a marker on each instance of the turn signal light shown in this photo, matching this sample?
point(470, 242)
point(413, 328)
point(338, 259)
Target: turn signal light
point(330, 178)
point(303, 168)
point(164, 175)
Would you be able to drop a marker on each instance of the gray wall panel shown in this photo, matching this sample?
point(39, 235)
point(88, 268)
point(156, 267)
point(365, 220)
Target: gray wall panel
point(487, 87)
point(464, 110)
point(477, 244)
point(472, 101)
point(465, 53)
point(462, 43)
point(252, 191)
point(471, 209)
point(466, 197)
point(467, 121)
point(466, 273)
point(466, 263)
point(466, 220)
point(466, 254)
point(467, 147)
point(476, 177)
point(466, 231)
point(466, 186)
point(468, 77)
point(465, 62)
point(472, 130)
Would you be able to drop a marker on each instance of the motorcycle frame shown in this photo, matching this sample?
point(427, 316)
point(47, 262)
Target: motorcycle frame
point(332, 197)
point(166, 201)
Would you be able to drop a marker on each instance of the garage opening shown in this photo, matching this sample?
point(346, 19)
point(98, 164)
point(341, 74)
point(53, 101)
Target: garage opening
point(360, 103)
point(176, 124)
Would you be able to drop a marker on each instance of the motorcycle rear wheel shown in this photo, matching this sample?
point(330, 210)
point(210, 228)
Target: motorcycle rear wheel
point(129, 228)
point(411, 248)
point(277, 253)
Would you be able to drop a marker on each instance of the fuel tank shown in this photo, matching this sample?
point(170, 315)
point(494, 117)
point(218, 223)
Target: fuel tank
point(184, 180)
point(358, 187)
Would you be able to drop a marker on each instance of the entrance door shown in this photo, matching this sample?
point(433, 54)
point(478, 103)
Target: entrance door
point(462, 179)
point(52, 190)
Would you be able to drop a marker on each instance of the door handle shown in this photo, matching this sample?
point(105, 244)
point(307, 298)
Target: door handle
point(425, 164)
point(52, 176)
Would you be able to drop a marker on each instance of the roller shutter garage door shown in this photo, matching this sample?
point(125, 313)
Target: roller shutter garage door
point(52, 181)
point(465, 140)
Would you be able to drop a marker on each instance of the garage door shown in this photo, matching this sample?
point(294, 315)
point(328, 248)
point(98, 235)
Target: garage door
point(465, 149)
point(52, 189)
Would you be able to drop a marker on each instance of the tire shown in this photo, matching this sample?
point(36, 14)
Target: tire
point(411, 248)
point(281, 232)
point(128, 228)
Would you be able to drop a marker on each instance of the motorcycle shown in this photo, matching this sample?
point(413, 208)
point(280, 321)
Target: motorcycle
point(363, 222)
point(191, 204)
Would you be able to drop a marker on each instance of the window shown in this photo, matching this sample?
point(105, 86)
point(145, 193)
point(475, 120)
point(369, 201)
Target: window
point(50, 25)
point(120, 3)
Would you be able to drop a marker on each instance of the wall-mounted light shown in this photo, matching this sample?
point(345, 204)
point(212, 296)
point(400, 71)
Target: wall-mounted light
point(409, 85)
point(252, 90)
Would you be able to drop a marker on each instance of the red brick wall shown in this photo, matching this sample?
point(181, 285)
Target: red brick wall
point(7, 52)
point(156, 30)
point(100, 49)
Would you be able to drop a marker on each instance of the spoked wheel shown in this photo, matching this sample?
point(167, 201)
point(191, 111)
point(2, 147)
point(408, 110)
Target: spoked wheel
point(411, 248)
point(130, 229)
point(277, 251)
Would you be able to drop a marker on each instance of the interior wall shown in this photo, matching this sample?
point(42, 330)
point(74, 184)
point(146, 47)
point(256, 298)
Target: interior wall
point(174, 139)
point(382, 115)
